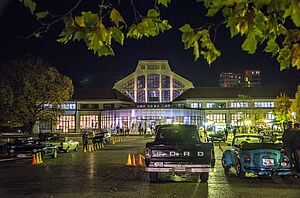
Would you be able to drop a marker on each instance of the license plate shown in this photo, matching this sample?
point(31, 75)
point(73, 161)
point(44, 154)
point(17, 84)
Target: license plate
point(21, 156)
point(268, 162)
point(179, 169)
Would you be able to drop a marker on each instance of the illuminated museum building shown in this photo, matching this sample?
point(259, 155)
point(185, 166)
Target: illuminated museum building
point(153, 94)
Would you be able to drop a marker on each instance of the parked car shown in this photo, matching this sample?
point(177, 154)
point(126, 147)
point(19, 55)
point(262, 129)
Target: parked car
point(25, 148)
point(65, 144)
point(178, 149)
point(102, 137)
point(213, 136)
point(250, 155)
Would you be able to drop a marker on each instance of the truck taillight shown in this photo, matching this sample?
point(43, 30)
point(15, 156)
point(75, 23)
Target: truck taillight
point(147, 153)
point(247, 159)
point(284, 161)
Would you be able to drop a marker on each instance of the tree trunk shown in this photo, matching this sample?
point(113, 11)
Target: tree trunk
point(29, 127)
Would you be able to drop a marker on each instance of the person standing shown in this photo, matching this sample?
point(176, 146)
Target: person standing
point(226, 133)
point(296, 147)
point(288, 138)
point(234, 131)
point(84, 140)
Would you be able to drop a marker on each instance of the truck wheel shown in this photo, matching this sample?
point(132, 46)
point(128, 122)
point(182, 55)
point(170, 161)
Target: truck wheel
point(67, 150)
point(239, 172)
point(203, 177)
point(54, 155)
point(226, 168)
point(153, 177)
point(76, 148)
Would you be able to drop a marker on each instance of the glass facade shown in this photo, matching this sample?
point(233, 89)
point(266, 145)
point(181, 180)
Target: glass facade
point(133, 118)
point(65, 123)
point(89, 121)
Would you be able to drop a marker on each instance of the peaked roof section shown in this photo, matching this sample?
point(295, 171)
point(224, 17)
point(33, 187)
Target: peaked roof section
point(233, 92)
point(99, 94)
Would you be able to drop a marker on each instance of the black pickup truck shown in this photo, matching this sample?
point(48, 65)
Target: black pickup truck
point(178, 149)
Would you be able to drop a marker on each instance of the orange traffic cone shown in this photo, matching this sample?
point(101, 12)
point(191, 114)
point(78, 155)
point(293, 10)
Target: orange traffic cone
point(140, 162)
point(133, 160)
point(33, 161)
point(128, 160)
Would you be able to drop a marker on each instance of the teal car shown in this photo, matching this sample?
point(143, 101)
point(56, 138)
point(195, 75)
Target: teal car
point(251, 156)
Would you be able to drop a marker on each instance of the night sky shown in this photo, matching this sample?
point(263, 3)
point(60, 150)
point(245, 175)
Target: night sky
point(88, 70)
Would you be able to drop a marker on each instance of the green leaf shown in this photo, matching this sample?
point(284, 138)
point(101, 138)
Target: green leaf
point(116, 17)
point(90, 19)
point(151, 25)
point(117, 35)
point(66, 34)
point(78, 35)
point(186, 28)
point(272, 47)
point(105, 50)
point(284, 58)
point(79, 20)
point(296, 55)
point(196, 50)
point(40, 15)
point(186, 36)
point(164, 2)
point(250, 44)
point(152, 13)
point(260, 3)
point(295, 12)
point(231, 24)
point(29, 4)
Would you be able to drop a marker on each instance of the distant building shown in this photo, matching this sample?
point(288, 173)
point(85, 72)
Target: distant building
point(153, 94)
point(153, 82)
point(251, 78)
point(228, 79)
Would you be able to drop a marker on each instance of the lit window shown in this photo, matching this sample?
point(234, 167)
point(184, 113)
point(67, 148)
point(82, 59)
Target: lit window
point(165, 81)
point(129, 84)
point(216, 117)
point(141, 82)
point(68, 106)
point(210, 105)
point(195, 105)
point(89, 121)
point(263, 104)
point(239, 104)
point(153, 81)
point(153, 96)
point(65, 122)
point(177, 84)
point(177, 93)
point(165, 96)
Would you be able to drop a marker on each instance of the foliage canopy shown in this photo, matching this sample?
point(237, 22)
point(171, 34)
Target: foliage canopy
point(271, 24)
point(31, 91)
point(282, 108)
point(295, 107)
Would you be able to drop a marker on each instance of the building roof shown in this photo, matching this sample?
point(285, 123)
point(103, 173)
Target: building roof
point(99, 94)
point(234, 92)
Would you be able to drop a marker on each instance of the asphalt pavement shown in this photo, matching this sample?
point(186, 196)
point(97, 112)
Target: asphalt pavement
point(103, 173)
